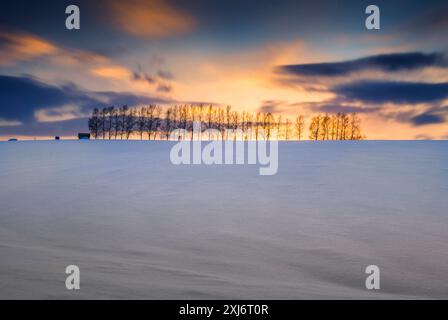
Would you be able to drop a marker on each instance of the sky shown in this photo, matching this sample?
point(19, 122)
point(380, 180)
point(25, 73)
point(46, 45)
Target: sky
point(289, 57)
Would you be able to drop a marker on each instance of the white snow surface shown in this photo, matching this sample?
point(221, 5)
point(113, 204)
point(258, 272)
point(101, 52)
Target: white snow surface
point(139, 227)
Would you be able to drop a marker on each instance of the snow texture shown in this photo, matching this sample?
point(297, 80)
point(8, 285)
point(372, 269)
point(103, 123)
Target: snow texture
point(140, 227)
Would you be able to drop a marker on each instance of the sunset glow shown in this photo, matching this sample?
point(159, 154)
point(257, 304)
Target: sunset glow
point(280, 59)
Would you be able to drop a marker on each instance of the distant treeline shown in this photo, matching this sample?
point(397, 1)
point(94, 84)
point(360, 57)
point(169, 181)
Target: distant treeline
point(154, 122)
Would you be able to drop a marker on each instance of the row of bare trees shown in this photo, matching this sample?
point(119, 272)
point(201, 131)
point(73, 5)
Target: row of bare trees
point(340, 126)
point(154, 122)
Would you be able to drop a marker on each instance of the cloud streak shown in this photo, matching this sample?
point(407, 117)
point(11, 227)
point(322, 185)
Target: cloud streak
point(393, 62)
point(18, 46)
point(27, 100)
point(399, 92)
point(23, 47)
point(427, 118)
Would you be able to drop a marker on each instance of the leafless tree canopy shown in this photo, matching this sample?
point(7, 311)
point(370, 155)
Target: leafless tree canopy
point(153, 122)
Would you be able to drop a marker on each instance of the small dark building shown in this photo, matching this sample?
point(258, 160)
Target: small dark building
point(83, 136)
point(57, 138)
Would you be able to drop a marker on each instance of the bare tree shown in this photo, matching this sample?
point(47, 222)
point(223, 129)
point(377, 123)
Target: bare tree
point(315, 127)
point(94, 123)
point(110, 119)
point(268, 121)
point(300, 126)
point(209, 118)
point(116, 122)
point(258, 120)
point(279, 126)
point(333, 127)
point(149, 120)
point(168, 122)
point(345, 122)
point(183, 117)
point(111, 123)
point(228, 120)
point(157, 120)
point(123, 111)
point(220, 122)
point(103, 122)
point(338, 126)
point(141, 121)
point(325, 127)
point(200, 114)
point(175, 116)
point(355, 127)
point(249, 125)
point(129, 123)
point(235, 123)
point(287, 129)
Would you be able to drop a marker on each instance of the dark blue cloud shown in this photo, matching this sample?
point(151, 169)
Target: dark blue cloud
point(21, 96)
point(427, 118)
point(385, 62)
point(336, 108)
point(393, 91)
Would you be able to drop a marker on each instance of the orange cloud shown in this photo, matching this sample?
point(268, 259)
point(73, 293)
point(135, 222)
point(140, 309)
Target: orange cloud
point(113, 72)
point(23, 47)
point(17, 46)
point(150, 19)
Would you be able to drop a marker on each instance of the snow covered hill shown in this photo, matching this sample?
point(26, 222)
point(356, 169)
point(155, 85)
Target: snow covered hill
point(140, 227)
